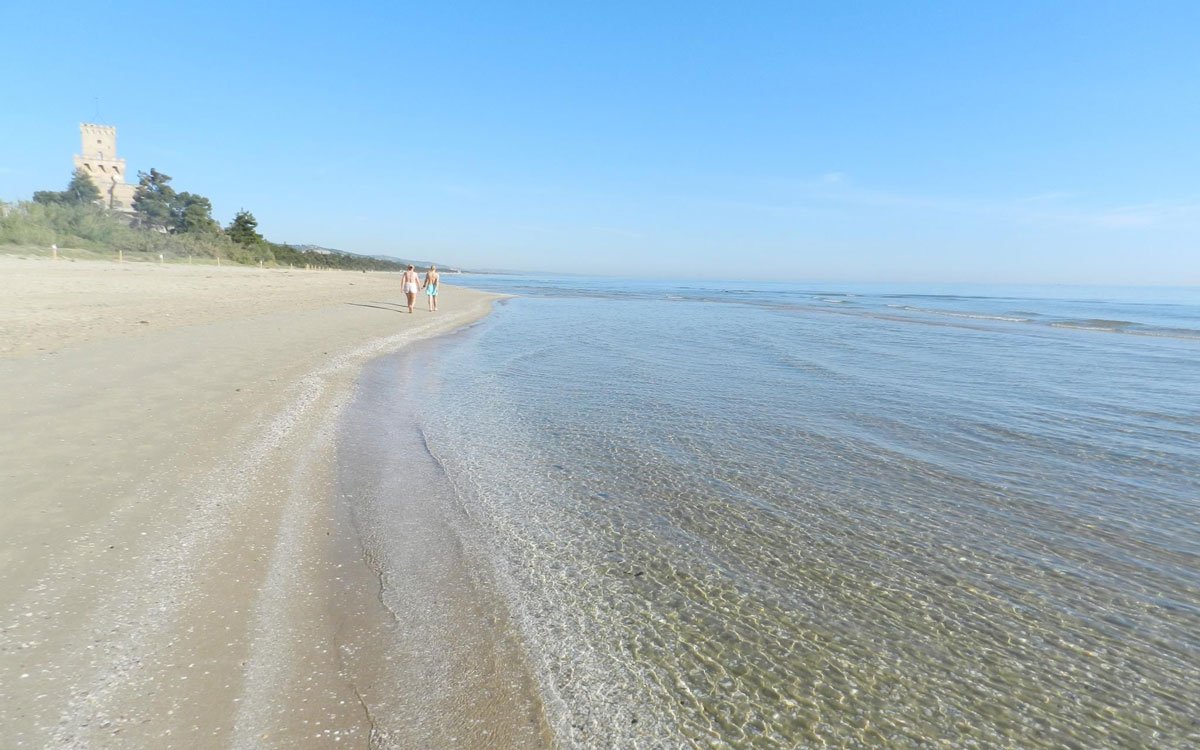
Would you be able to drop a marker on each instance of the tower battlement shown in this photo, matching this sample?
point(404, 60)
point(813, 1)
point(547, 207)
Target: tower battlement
point(97, 141)
point(98, 159)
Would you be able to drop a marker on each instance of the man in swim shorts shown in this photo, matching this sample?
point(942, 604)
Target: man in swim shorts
point(431, 287)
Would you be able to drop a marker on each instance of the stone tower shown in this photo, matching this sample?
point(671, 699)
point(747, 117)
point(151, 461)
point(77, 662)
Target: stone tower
point(98, 159)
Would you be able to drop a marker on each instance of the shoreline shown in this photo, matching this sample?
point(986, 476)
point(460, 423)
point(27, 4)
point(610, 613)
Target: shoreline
point(169, 459)
point(436, 648)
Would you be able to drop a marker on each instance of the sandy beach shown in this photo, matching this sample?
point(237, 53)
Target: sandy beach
point(174, 570)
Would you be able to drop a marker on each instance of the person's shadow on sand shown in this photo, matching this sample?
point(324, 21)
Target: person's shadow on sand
point(389, 306)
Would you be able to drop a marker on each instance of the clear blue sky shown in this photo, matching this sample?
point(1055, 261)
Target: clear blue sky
point(956, 141)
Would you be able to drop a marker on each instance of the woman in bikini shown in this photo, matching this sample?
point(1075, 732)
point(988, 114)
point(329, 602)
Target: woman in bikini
point(431, 287)
point(410, 282)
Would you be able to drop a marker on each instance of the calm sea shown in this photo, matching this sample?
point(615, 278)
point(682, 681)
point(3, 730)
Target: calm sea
point(782, 516)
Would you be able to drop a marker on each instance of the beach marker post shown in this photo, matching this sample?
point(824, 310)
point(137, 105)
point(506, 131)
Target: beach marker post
point(120, 256)
point(160, 259)
point(54, 251)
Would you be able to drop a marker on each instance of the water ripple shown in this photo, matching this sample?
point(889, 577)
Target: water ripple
point(756, 529)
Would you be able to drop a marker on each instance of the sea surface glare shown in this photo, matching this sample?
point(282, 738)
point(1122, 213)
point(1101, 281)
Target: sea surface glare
point(785, 516)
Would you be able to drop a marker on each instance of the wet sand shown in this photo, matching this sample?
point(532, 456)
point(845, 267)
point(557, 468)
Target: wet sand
point(177, 570)
point(435, 577)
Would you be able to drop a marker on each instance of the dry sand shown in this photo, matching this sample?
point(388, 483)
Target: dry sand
point(173, 570)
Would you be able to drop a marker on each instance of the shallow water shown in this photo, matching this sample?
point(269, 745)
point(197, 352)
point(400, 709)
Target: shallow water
point(797, 516)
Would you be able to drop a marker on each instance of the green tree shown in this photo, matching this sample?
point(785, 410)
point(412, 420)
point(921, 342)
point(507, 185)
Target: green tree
point(244, 229)
point(81, 190)
point(48, 197)
point(153, 200)
point(192, 214)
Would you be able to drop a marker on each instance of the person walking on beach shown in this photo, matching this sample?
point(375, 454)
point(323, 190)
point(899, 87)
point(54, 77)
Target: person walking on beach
point(410, 282)
point(431, 284)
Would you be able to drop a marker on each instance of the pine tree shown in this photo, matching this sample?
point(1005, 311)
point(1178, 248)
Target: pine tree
point(193, 214)
point(153, 200)
point(81, 190)
point(244, 229)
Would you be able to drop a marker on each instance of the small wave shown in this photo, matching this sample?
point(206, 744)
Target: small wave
point(1098, 324)
point(1109, 323)
point(1005, 318)
point(1127, 327)
point(1011, 318)
point(931, 296)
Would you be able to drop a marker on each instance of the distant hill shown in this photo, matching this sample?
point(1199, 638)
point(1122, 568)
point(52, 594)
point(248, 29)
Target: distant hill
point(387, 258)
